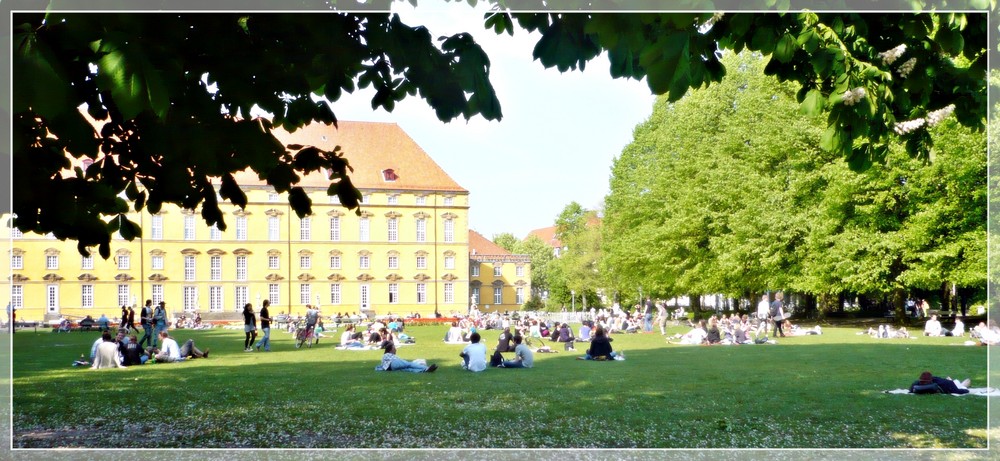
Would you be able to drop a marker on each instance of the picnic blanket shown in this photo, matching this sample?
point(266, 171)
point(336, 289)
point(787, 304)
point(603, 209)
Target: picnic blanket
point(983, 391)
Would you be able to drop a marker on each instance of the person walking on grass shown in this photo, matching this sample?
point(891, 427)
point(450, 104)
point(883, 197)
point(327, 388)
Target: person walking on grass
point(249, 327)
point(778, 314)
point(265, 326)
point(146, 322)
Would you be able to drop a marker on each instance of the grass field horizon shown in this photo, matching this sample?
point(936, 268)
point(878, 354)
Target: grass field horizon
point(804, 392)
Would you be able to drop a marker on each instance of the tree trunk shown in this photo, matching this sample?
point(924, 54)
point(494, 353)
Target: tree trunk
point(695, 306)
point(899, 306)
point(826, 304)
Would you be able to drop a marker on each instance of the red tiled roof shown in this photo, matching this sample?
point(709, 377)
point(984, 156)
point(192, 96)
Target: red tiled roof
point(548, 235)
point(480, 245)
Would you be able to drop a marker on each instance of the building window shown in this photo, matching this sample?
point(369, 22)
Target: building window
point(475, 294)
point(393, 262)
point(393, 200)
point(241, 268)
point(519, 271)
point(241, 228)
point(189, 227)
point(156, 222)
point(335, 228)
point(304, 293)
point(449, 201)
point(273, 231)
point(52, 297)
point(87, 263)
point(86, 296)
point(365, 262)
point(215, 268)
point(334, 262)
point(474, 269)
point(52, 262)
point(305, 262)
point(497, 295)
point(366, 199)
point(363, 234)
point(334, 199)
point(449, 262)
point(189, 268)
point(273, 293)
point(365, 295)
point(17, 262)
point(16, 233)
point(421, 262)
point(393, 293)
point(214, 233)
point(334, 293)
point(449, 292)
point(519, 295)
point(242, 296)
point(190, 298)
point(305, 229)
point(449, 231)
point(123, 295)
point(498, 269)
point(393, 229)
point(421, 293)
point(124, 262)
point(16, 296)
point(421, 230)
point(157, 263)
point(272, 196)
point(157, 294)
point(421, 200)
point(272, 262)
point(215, 298)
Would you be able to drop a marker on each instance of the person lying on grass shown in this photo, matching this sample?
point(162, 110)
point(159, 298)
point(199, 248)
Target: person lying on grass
point(600, 348)
point(170, 352)
point(930, 384)
point(390, 362)
point(697, 335)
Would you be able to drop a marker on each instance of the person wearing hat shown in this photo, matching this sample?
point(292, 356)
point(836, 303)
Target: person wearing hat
point(927, 382)
point(390, 362)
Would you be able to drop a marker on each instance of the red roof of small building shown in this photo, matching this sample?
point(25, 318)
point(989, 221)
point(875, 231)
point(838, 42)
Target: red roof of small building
point(479, 245)
point(548, 235)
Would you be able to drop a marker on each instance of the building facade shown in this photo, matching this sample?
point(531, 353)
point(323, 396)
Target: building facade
point(406, 252)
point(498, 280)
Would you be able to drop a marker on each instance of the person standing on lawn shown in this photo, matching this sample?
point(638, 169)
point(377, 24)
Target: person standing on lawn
point(159, 320)
point(778, 314)
point(647, 315)
point(146, 322)
point(265, 326)
point(249, 327)
point(131, 319)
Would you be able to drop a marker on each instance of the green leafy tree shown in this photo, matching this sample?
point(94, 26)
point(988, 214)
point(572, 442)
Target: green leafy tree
point(508, 242)
point(541, 259)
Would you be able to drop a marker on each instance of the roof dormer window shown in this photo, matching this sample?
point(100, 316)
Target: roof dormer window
point(389, 175)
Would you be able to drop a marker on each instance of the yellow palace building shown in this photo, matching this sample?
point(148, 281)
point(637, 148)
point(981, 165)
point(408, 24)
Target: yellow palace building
point(407, 252)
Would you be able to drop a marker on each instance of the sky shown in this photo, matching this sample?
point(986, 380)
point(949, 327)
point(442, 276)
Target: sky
point(555, 144)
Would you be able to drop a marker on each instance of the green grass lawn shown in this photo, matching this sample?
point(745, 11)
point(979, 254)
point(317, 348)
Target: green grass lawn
point(812, 391)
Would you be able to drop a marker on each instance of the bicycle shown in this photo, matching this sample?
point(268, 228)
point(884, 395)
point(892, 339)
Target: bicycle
point(304, 335)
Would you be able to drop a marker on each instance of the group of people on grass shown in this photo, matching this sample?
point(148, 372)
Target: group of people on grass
point(123, 350)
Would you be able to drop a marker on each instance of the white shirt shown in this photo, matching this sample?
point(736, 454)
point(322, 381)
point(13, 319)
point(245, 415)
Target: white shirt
point(763, 309)
point(170, 348)
point(477, 356)
point(933, 328)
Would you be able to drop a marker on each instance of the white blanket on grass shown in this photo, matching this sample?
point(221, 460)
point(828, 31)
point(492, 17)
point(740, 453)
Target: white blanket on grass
point(984, 391)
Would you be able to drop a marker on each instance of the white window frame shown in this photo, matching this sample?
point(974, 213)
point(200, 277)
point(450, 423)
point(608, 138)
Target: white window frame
point(189, 230)
point(124, 294)
point(305, 262)
point(216, 298)
point(190, 297)
point(474, 269)
point(157, 293)
point(87, 263)
point(273, 262)
point(421, 262)
point(241, 295)
point(273, 293)
point(305, 292)
point(364, 230)
point(335, 293)
point(421, 230)
point(241, 228)
point(334, 228)
point(273, 228)
point(214, 233)
point(392, 229)
point(421, 200)
point(189, 268)
point(241, 268)
point(156, 262)
point(272, 196)
point(305, 229)
point(86, 296)
point(449, 292)
point(17, 262)
point(498, 269)
point(497, 295)
point(364, 296)
point(519, 270)
point(448, 201)
point(335, 262)
point(393, 200)
point(393, 293)
point(475, 294)
point(421, 293)
point(393, 262)
point(17, 296)
point(519, 295)
point(156, 225)
point(449, 231)
point(51, 262)
point(364, 262)
point(215, 268)
point(52, 298)
point(124, 262)
point(449, 262)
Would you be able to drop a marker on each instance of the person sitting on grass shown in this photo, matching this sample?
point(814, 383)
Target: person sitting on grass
point(454, 334)
point(712, 334)
point(348, 338)
point(503, 343)
point(170, 352)
point(697, 335)
point(523, 357)
point(566, 337)
point(930, 384)
point(933, 327)
point(585, 330)
point(132, 353)
point(390, 362)
point(600, 348)
point(106, 355)
point(474, 355)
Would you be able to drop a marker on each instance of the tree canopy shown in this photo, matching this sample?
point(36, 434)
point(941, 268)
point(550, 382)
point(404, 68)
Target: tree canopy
point(174, 91)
